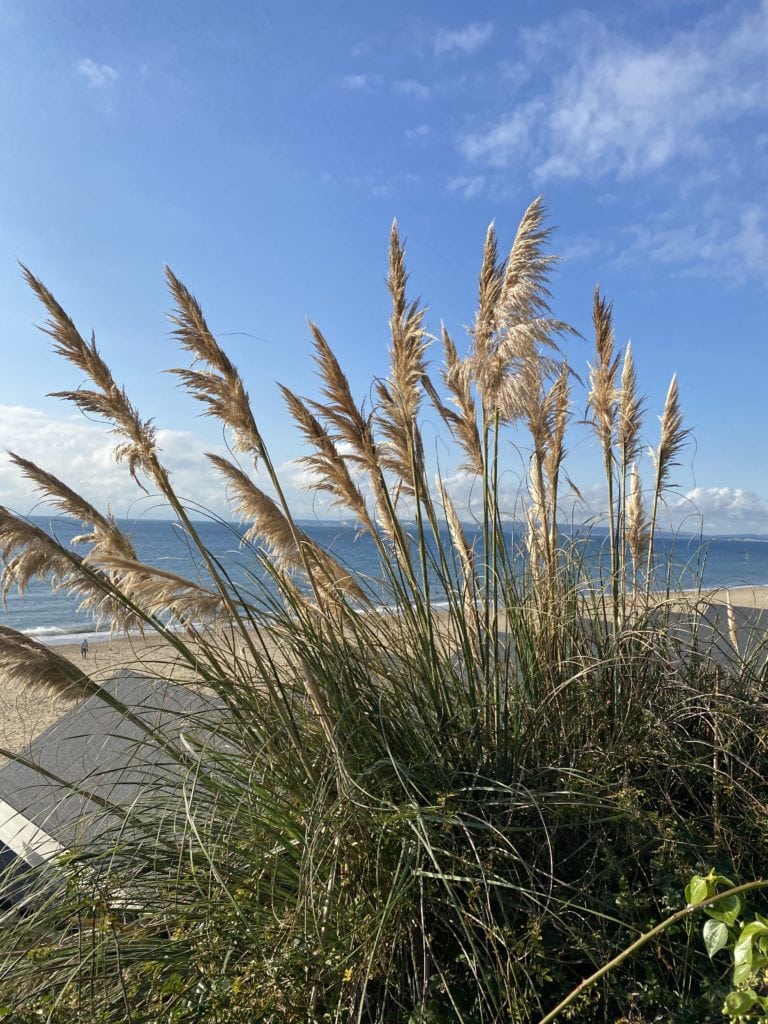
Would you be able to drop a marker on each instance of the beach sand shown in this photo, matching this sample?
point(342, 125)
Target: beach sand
point(25, 712)
point(755, 598)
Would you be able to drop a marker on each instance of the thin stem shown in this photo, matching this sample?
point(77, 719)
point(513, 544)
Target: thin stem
point(646, 938)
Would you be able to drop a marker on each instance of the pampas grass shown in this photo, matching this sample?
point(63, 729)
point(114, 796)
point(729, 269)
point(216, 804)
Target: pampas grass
point(106, 400)
point(450, 809)
point(41, 668)
point(671, 442)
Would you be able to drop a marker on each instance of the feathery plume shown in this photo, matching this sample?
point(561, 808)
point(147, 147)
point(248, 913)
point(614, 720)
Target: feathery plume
point(527, 269)
point(637, 531)
point(27, 552)
point(290, 546)
point(671, 442)
point(349, 423)
point(466, 561)
point(603, 394)
point(489, 292)
point(400, 396)
point(350, 426)
point(457, 535)
point(556, 407)
point(630, 411)
point(33, 664)
point(30, 553)
point(457, 378)
point(327, 464)
point(158, 592)
point(219, 387)
point(106, 537)
point(107, 400)
point(538, 531)
point(672, 435)
point(520, 324)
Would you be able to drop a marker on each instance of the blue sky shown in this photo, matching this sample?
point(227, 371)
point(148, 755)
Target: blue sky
point(263, 149)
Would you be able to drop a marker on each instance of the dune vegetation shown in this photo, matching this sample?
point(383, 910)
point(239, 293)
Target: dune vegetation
point(449, 793)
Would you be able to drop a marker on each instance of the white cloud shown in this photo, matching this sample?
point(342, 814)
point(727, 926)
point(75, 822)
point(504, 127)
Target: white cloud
point(467, 186)
point(514, 74)
point(420, 133)
point(750, 240)
point(581, 247)
point(358, 82)
point(731, 245)
point(411, 88)
point(98, 76)
point(507, 139)
point(381, 185)
point(463, 40)
point(80, 453)
point(622, 109)
point(725, 509)
point(711, 510)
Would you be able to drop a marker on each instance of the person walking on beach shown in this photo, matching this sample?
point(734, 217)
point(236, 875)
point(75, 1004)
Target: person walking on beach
point(84, 649)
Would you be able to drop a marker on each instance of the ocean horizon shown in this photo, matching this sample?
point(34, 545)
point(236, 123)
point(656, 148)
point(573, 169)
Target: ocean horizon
point(724, 561)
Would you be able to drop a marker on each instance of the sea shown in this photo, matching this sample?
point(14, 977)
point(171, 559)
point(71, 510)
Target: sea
point(53, 616)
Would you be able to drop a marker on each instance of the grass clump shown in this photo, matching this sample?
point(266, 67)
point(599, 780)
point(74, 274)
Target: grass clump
point(452, 809)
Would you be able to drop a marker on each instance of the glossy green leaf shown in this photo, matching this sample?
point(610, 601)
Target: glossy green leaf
point(742, 951)
point(741, 972)
point(726, 910)
point(738, 1003)
point(715, 936)
point(752, 931)
point(697, 890)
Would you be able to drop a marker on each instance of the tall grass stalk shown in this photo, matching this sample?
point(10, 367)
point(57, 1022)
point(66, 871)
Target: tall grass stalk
point(446, 792)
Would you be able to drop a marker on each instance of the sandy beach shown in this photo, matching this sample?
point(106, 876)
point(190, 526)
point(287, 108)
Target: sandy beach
point(754, 598)
point(24, 712)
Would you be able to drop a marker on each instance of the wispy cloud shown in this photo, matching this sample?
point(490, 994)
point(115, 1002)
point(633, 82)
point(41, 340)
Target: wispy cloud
point(420, 133)
point(412, 88)
point(381, 185)
point(80, 453)
point(622, 109)
point(467, 186)
point(355, 82)
point(463, 40)
point(98, 76)
point(731, 245)
point(724, 509)
point(409, 87)
point(581, 247)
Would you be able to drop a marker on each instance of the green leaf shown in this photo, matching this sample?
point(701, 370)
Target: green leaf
point(715, 936)
point(741, 972)
point(752, 930)
point(726, 910)
point(697, 890)
point(724, 881)
point(738, 1003)
point(742, 951)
